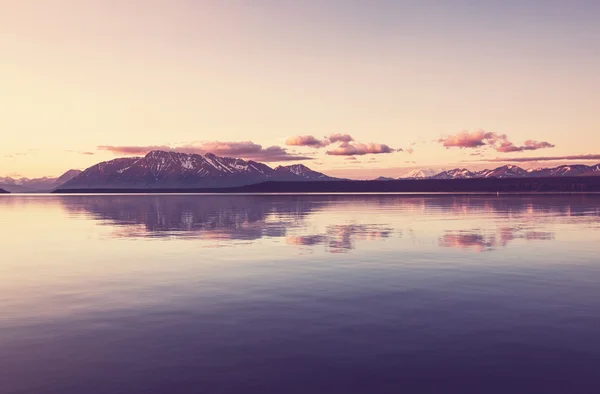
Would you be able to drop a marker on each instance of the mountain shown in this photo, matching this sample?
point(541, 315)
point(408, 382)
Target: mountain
point(508, 171)
point(45, 184)
point(2, 191)
point(457, 173)
point(67, 176)
point(171, 170)
point(299, 170)
point(384, 178)
point(567, 170)
point(511, 171)
point(420, 173)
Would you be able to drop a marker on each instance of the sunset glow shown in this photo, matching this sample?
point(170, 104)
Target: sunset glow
point(411, 84)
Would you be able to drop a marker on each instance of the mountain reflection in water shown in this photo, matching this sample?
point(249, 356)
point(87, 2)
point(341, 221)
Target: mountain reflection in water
point(299, 294)
point(253, 217)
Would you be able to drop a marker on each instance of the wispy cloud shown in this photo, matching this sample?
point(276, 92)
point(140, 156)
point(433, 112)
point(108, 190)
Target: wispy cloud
point(498, 142)
point(80, 152)
point(507, 146)
point(545, 158)
point(13, 155)
point(132, 149)
point(242, 149)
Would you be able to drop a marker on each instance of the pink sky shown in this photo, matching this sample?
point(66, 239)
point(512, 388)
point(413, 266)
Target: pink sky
point(412, 83)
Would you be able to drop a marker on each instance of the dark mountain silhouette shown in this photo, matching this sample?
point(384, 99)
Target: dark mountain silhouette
point(2, 191)
point(169, 170)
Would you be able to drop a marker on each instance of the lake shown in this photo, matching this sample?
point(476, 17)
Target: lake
point(299, 294)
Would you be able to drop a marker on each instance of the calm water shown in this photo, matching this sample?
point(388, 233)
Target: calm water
point(299, 294)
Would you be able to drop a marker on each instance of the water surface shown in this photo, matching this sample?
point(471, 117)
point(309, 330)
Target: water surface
point(299, 294)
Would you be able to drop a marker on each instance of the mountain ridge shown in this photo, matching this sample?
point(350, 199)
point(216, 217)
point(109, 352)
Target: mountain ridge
point(169, 169)
point(505, 171)
point(44, 184)
point(512, 171)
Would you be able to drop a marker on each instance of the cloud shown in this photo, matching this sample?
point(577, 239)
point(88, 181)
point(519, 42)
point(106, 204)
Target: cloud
point(313, 142)
point(499, 142)
point(80, 152)
point(346, 147)
point(350, 158)
point(243, 149)
point(307, 140)
point(475, 139)
point(357, 149)
point(508, 146)
point(545, 158)
point(340, 138)
point(13, 155)
point(132, 150)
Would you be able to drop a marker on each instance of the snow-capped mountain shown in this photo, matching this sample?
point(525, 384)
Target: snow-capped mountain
point(420, 173)
point(160, 169)
point(457, 173)
point(45, 184)
point(567, 170)
point(508, 171)
point(299, 170)
point(512, 171)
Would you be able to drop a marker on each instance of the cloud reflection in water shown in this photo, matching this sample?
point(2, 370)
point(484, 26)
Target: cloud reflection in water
point(335, 222)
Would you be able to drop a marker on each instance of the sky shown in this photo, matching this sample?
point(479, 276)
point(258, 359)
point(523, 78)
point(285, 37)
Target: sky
point(348, 87)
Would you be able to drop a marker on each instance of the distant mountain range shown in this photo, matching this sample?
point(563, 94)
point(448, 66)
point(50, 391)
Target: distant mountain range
point(2, 191)
point(46, 184)
point(507, 171)
point(420, 173)
point(510, 171)
point(173, 170)
point(169, 170)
